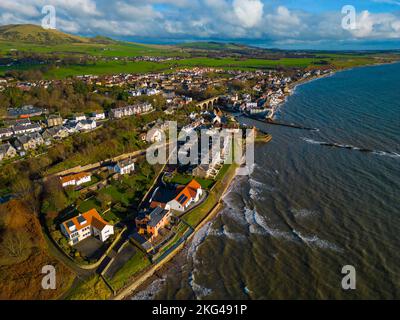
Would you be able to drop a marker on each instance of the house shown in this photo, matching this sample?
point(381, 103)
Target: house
point(155, 136)
point(28, 142)
point(187, 195)
point(85, 125)
point(98, 115)
point(26, 128)
point(5, 133)
point(7, 151)
point(78, 117)
point(201, 171)
point(124, 166)
point(85, 225)
point(25, 112)
point(151, 223)
point(54, 120)
point(75, 179)
point(57, 132)
point(130, 110)
point(23, 122)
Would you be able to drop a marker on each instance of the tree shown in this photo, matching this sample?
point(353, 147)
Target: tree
point(105, 199)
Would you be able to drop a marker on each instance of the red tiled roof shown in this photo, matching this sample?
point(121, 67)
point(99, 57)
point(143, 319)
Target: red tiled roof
point(92, 217)
point(77, 176)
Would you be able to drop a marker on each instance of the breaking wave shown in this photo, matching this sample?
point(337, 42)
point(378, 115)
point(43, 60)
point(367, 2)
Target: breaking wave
point(198, 290)
point(317, 242)
point(224, 232)
point(150, 291)
point(302, 213)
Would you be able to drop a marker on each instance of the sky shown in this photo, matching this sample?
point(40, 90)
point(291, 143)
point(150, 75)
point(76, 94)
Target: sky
point(286, 24)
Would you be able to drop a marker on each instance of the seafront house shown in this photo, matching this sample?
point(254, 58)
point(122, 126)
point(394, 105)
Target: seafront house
point(7, 151)
point(187, 195)
point(75, 179)
point(124, 166)
point(85, 225)
point(150, 224)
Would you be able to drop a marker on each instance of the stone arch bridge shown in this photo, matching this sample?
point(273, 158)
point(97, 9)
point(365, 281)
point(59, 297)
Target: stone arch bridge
point(207, 104)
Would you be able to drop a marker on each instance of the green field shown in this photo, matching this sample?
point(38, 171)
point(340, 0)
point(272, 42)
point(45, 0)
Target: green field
point(185, 179)
point(92, 289)
point(122, 49)
point(136, 264)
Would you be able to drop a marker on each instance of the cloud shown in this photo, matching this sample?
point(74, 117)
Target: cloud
point(249, 12)
point(205, 19)
point(376, 26)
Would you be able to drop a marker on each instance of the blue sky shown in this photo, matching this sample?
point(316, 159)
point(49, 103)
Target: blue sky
point(292, 24)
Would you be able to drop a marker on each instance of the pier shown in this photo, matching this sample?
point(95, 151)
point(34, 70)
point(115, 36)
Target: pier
point(277, 123)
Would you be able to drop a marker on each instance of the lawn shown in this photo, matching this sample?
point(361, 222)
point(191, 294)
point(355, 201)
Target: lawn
point(92, 289)
point(136, 264)
point(185, 179)
point(222, 172)
point(119, 194)
point(89, 204)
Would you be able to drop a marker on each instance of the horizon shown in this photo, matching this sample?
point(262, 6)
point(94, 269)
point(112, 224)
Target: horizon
point(287, 25)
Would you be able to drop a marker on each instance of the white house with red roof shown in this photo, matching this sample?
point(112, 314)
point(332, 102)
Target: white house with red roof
point(76, 179)
point(85, 225)
point(187, 195)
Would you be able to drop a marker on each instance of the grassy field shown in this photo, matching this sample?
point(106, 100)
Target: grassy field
point(93, 289)
point(122, 49)
point(185, 179)
point(102, 67)
point(136, 264)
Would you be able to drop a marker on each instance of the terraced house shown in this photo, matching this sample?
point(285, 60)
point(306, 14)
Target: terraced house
point(76, 179)
point(130, 110)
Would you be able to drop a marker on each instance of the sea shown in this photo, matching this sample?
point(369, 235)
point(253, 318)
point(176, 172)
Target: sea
point(316, 203)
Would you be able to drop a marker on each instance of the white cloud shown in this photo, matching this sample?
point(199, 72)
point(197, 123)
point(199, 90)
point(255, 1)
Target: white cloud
point(375, 26)
point(249, 12)
point(191, 19)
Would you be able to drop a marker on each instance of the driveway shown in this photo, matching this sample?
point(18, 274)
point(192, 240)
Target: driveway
point(91, 248)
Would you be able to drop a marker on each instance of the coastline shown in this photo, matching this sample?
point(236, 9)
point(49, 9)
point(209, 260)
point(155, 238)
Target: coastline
point(293, 86)
point(156, 272)
point(146, 278)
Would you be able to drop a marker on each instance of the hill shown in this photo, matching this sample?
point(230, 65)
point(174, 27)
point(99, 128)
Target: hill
point(23, 253)
point(29, 33)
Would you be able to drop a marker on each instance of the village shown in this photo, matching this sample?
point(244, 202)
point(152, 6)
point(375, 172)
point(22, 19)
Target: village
point(122, 215)
point(28, 128)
